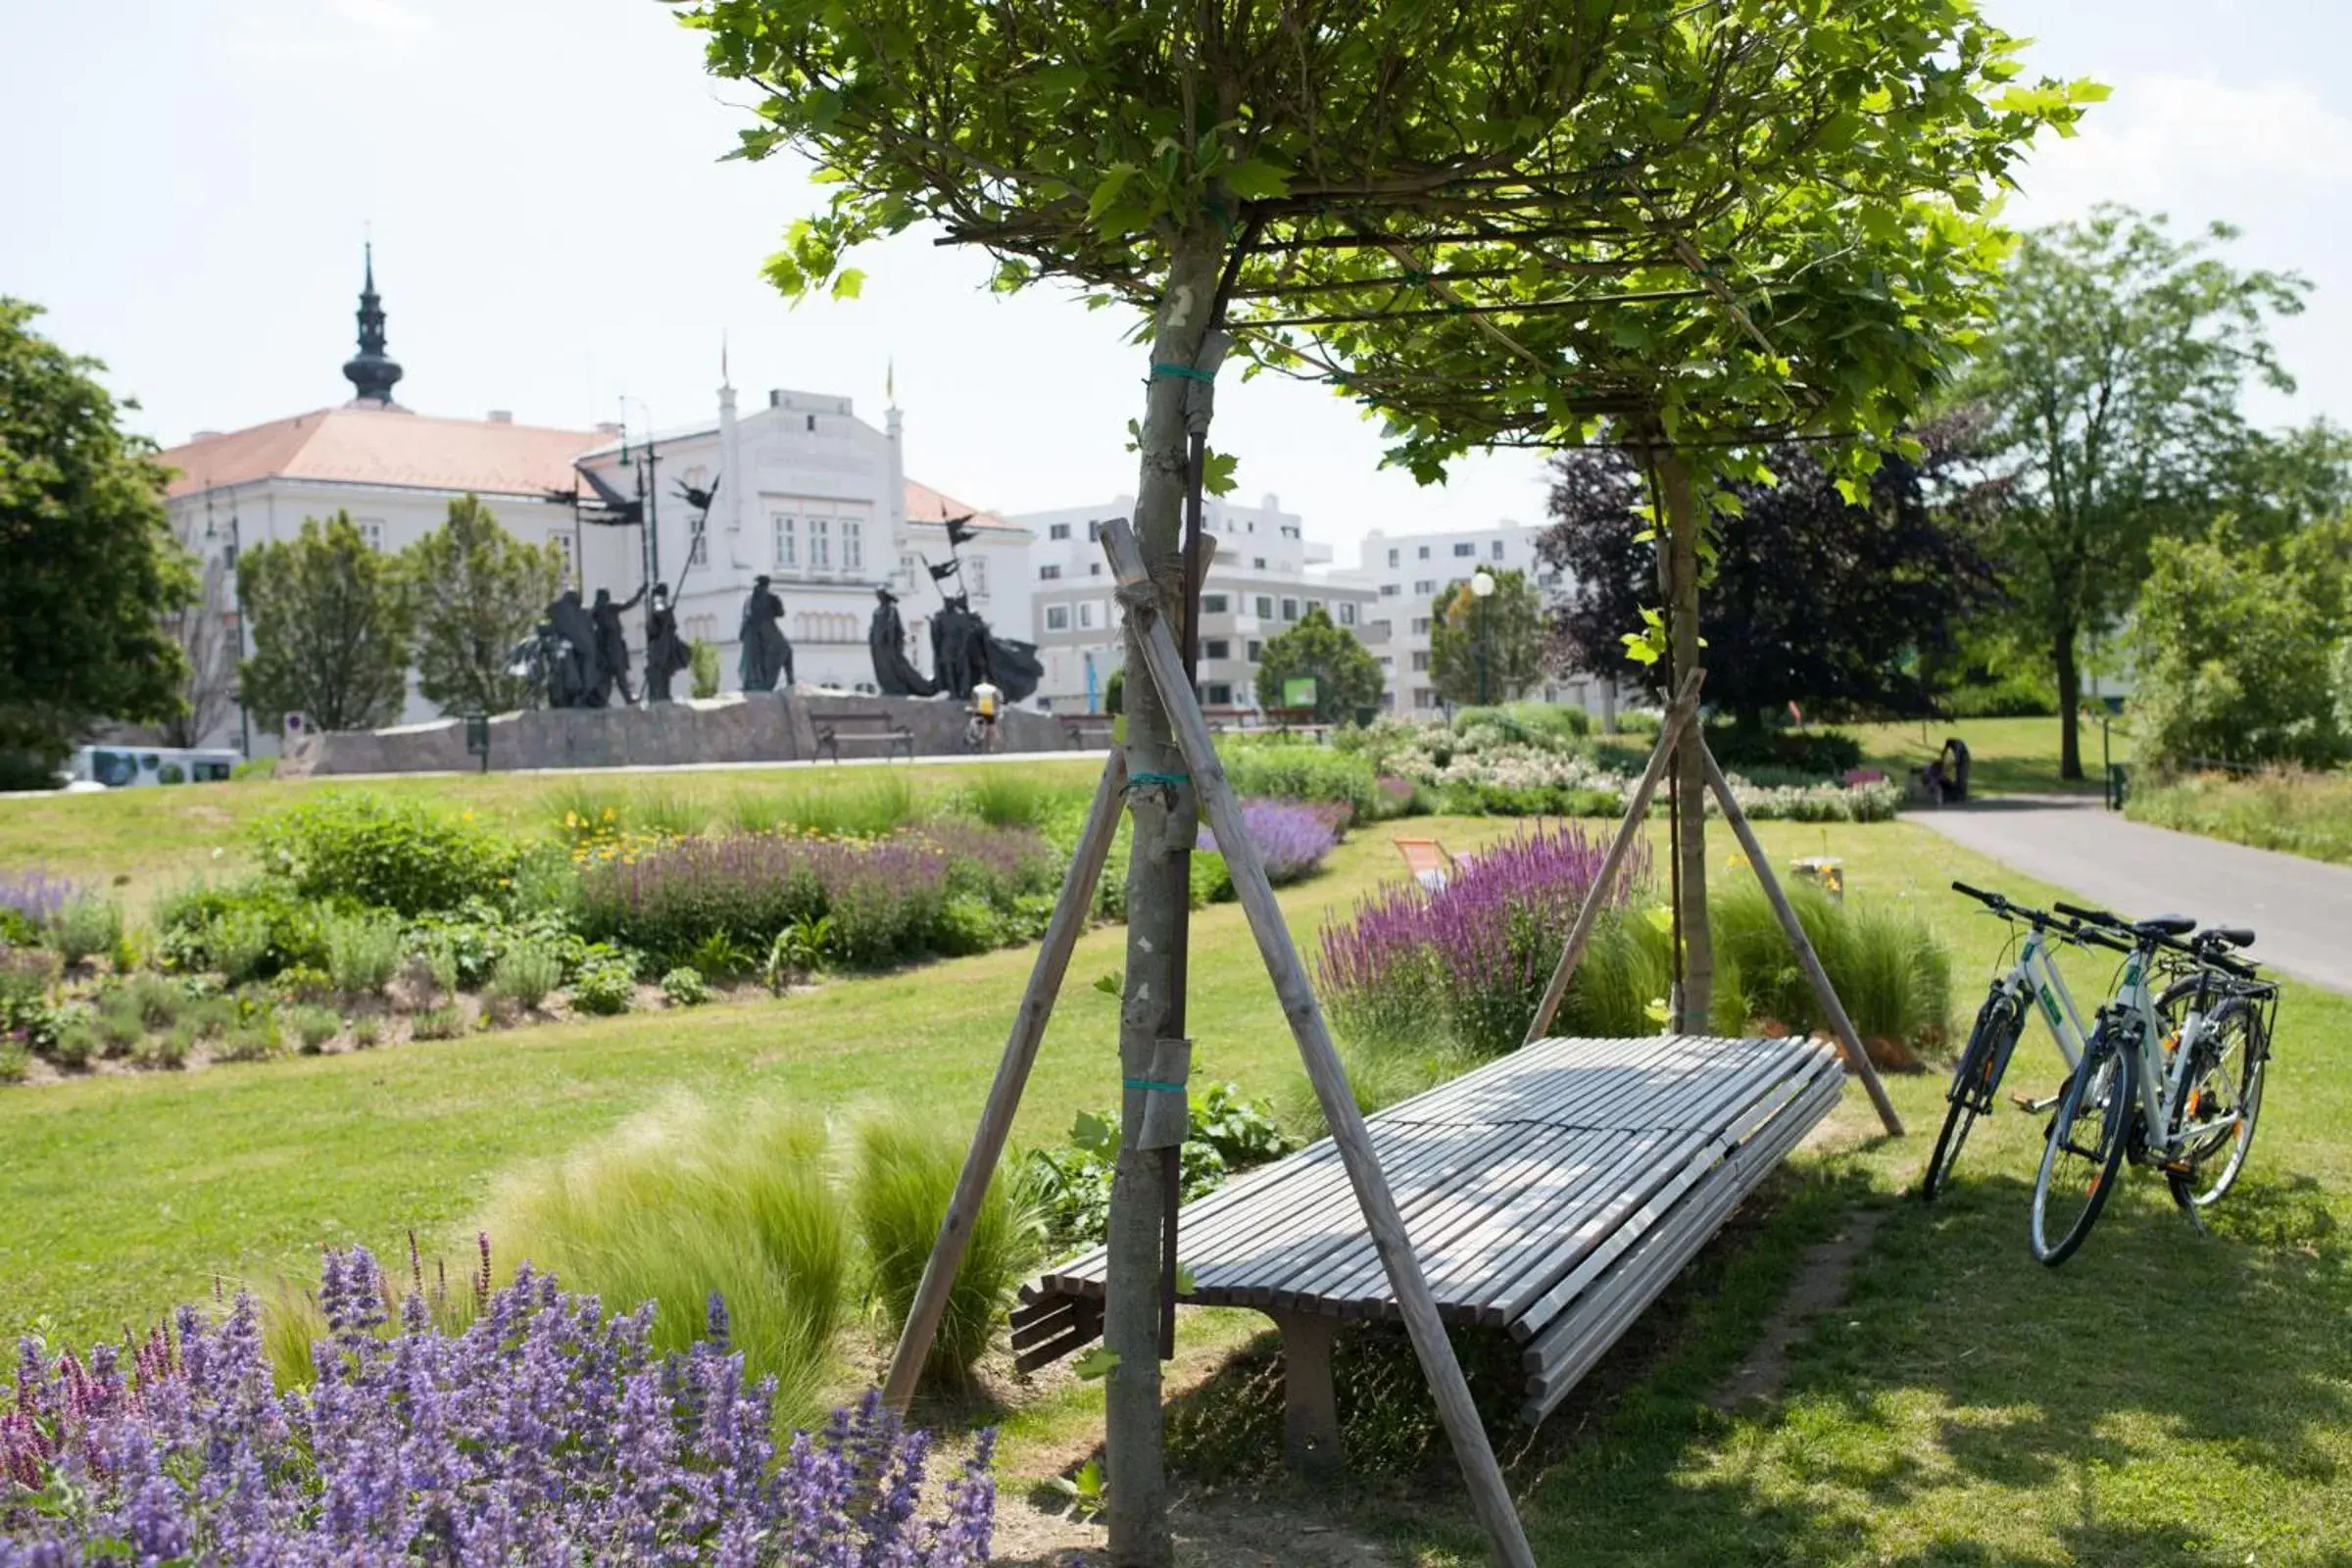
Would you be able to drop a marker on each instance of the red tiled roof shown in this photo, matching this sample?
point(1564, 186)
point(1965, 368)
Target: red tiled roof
point(926, 505)
point(385, 447)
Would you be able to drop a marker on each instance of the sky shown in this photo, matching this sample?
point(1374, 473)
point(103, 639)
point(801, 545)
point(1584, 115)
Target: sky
point(190, 182)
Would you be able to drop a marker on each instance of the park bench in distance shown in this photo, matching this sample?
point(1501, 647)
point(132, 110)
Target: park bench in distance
point(1088, 733)
point(1550, 1196)
point(834, 728)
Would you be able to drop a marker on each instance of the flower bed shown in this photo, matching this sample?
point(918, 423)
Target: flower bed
point(1468, 961)
point(543, 1431)
point(1291, 836)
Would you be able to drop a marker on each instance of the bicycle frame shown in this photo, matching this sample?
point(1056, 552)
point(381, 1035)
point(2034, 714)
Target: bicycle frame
point(2160, 1087)
point(2034, 978)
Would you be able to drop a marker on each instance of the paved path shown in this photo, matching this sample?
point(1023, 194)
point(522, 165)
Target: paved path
point(2300, 909)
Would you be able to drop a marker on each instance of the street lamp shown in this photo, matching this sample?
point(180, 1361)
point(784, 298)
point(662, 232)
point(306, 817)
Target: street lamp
point(1481, 589)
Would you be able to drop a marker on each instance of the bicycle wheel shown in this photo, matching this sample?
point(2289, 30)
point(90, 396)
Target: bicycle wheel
point(2220, 1102)
point(1974, 1084)
point(2083, 1156)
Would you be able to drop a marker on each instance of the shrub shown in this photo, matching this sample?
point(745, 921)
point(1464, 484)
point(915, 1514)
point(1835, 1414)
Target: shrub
point(252, 1040)
point(248, 930)
point(16, 1062)
point(26, 1017)
point(471, 940)
point(745, 886)
point(445, 1022)
point(690, 1201)
point(999, 863)
point(721, 958)
point(362, 952)
point(313, 1027)
point(77, 1044)
point(526, 972)
point(1290, 836)
point(1892, 975)
point(968, 923)
point(797, 953)
point(366, 1032)
point(117, 1025)
point(899, 1186)
point(1824, 754)
point(605, 984)
point(1305, 773)
point(86, 926)
point(1068, 1190)
point(399, 856)
point(547, 1420)
point(301, 982)
point(684, 987)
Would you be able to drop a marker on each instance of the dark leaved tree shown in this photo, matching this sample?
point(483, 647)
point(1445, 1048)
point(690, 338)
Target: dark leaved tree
point(1813, 600)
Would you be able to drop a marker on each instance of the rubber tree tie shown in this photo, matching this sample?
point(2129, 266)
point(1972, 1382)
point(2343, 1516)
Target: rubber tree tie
point(1144, 781)
point(1184, 370)
point(1148, 1083)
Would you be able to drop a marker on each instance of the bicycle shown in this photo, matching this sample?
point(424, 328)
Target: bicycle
point(2174, 1098)
point(2001, 1021)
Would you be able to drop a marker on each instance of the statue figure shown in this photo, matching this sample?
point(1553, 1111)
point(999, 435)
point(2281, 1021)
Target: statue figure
point(767, 655)
point(543, 660)
point(578, 678)
point(953, 649)
point(665, 651)
point(886, 637)
point(613, 646)
point(1013, 665)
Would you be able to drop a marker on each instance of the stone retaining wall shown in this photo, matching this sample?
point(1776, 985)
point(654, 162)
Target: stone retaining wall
point(757, 728)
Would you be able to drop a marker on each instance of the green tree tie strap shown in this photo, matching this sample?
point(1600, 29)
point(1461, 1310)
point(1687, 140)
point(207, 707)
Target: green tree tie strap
point(1146, 781)
point(1184, 370)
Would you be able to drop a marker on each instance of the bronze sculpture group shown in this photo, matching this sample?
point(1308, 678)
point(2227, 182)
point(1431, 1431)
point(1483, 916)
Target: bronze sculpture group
point(965, 654)
point(580, 655)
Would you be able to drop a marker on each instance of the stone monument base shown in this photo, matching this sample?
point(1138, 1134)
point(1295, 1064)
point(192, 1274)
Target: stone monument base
point(759, 728)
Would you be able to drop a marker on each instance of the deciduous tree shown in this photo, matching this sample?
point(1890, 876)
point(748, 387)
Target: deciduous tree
point(93, 571)
point(330, 635)
point(207, 633)
point(2114, 374)
point(1487, 650)
point(1346, 676)
point(472, 592)
point(1814, 600)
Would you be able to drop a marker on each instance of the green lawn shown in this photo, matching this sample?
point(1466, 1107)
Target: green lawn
point(144, 838)
point(2007, 756)
point(2163, 1398)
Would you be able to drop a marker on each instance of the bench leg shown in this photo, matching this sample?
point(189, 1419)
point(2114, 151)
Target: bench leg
point(1310, 1410)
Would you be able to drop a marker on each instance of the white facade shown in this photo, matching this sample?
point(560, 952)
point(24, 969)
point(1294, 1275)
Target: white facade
point(1258, 583)
point(1406, 572)
point(817, 501)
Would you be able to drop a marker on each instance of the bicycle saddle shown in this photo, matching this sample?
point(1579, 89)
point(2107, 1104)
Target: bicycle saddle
point(2164, 925)
point(2229, 936)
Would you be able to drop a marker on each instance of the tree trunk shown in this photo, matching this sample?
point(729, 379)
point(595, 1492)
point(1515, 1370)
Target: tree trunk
point(1680, 558)
point(1159, 904)
point(2070, 698)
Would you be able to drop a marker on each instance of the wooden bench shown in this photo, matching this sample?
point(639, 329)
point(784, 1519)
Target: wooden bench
point(1296, 720)
point(1550, 1196)
point(1088, 733)
point(834, 728)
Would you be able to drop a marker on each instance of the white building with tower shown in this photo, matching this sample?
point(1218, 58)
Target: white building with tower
point(1260, 581)
point(808, 494)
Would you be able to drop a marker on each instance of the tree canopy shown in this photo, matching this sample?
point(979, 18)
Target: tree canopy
point(92, 568)
point(1487, 650)
point(330, 634)
point(1814, 600)
point(472, 592)
point(1346, 676)
point(2114, 377)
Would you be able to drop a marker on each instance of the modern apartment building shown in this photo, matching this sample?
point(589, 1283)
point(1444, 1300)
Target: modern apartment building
point(1258, 583)
point(1404, 573)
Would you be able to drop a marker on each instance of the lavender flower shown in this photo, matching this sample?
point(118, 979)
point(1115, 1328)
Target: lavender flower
point(544, 1433)
point(1291, 836)
point(36, 895)
point(1471, 957)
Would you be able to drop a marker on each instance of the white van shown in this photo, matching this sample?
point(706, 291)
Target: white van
point(127, 766)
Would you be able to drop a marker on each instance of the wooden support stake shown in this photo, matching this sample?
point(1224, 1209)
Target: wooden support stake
point(1848, 1043)
point(1070, 914)
point(1636, 813)
point(1490, 1497)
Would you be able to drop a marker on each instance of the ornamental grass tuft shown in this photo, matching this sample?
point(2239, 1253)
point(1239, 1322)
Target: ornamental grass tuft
point(689, 1201)
point(900, 1185)
point(548, 1430)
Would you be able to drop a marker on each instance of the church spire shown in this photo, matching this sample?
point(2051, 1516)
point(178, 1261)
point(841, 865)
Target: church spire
point(371, 371)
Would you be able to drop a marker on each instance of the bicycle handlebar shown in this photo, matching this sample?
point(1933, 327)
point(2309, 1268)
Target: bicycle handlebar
point(2078, 931)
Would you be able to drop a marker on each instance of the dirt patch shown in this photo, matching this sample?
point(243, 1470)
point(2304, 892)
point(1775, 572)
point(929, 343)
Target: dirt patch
point(1212, 1531)
point(1819, 1287)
